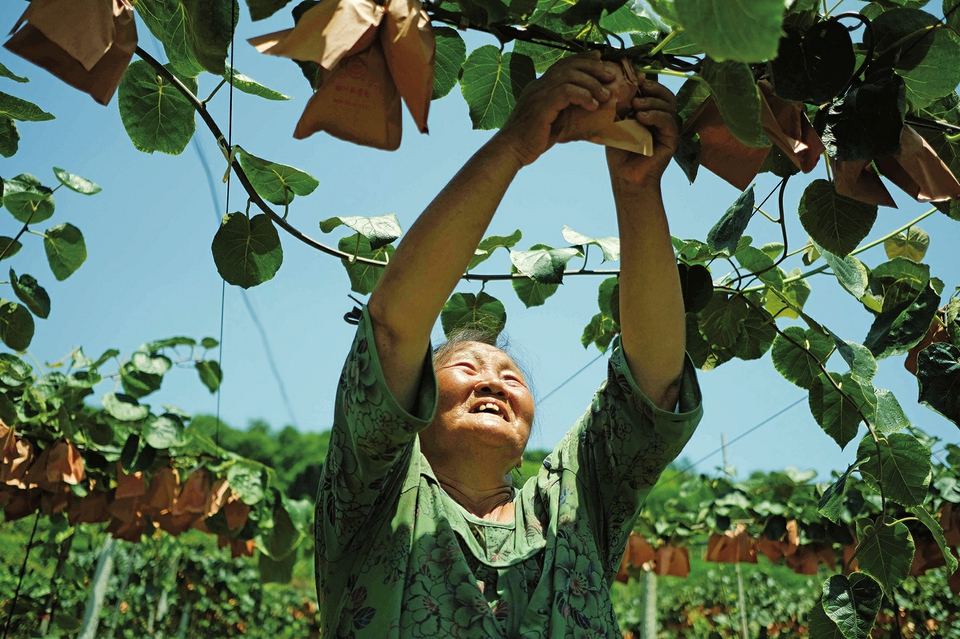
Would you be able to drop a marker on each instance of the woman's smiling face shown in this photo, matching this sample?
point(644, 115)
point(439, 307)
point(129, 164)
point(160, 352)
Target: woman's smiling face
point(482, 396)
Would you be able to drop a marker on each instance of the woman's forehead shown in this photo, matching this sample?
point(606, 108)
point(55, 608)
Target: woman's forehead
point(479, 352)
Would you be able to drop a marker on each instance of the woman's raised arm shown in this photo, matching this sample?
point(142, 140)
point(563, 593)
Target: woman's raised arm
point(435, 252)
point(652, 324)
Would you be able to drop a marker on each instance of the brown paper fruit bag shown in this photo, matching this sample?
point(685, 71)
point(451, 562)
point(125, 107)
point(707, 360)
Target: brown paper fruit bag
point(86, 43)
point(409, 47)
point(613, 123)
point(357, 102)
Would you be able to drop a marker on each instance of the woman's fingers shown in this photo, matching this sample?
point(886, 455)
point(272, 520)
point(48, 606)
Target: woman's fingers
point(652, 89)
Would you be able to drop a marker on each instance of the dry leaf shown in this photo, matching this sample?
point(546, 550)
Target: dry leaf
point(86, 43)
point(613, 123)
point(357, 102)
point(409, 48)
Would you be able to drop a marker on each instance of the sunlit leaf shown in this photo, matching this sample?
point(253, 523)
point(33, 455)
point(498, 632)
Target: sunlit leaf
point(741, 31)
point(451, 53)
point(610, 246)
point(738, 99)
point(363, 277)
point(491, 84)
point(124, 407)
point(378, 230)
point(468, 311)
point(76, 183)
point(27, 200)
point(276, 183)
point(195, 33)
point(542, 263)
point(796, 365)
point(900, 463)
point(911, 244)
point(247, 84)
point(489, 244)
point(18, 109)
point(155, 115)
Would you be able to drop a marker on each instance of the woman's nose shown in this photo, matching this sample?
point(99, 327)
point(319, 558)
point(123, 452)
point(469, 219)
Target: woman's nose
point(493, 388)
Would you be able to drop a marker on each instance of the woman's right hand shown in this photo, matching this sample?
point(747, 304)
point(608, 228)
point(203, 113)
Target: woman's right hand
point(577, 80)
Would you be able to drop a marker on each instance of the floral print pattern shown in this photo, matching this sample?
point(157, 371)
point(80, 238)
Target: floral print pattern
point(397, 557)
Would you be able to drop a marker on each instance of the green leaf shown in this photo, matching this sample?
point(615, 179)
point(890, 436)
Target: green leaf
point(938, 373)
point(721, 321)
point(378, 231)
point(610, 246)
point(276, 183)
point(885, 555)
point(14, 246)
point(911, 244)
point(31, 293)
point(903, 467)
point(276, 571)
point(608, 298)
point(835, 222)
point(849, 271)
point(923, 53)
point(170, 342)
point(822, 626)
point(831, 501)
point(489, 244)
point(796, 292)
point(124, 407)
point(863, 366)
point(491, 84)
point(164, 432)
point(896, 331)
point(815, 65)
point(852, 603)
point(195, 33)
point(66, 250)
point(451, 53)
point(696, 286)
point(153, 364)
point(76, 183)
point(16, 325)
point(138, 384)
point(866, 122)
point(155, 115)
point(9, 137)
point(247, 252)
point(727, 232)
point(738, 100)
point(27, 200)
point(247, 84)
point(890, 417)
point(247, 480)
point(600, 331)
point(626, 20)
point(937, 531)
point(542, 263)
point(363, 277)
point(796, 365)
point(531, 292)
point(7, 73)
point(760, 264)
point(839, 413)
point(209, 342)
point(896, 282)
point(741, 31)
point(466, 310)
point(17, 109)
point(757, 334)
point(210, 374)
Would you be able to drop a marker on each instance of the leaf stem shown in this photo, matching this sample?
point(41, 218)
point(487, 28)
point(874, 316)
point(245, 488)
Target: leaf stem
point(865, 247)
point(214, 92)
point(660, 45)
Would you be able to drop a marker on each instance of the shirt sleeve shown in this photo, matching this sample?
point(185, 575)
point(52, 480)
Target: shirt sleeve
point(370, 444)
point(618, 450)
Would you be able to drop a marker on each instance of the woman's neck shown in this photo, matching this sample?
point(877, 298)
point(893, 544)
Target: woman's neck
point(493, 502)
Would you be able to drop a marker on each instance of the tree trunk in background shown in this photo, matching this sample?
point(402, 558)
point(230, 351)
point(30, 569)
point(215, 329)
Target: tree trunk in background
point(649, 628)
point(91, 618)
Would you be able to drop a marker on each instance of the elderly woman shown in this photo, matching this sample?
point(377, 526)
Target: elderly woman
point(420, 532)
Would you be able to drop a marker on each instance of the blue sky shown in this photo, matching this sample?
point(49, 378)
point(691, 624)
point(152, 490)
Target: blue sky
point(150, 272)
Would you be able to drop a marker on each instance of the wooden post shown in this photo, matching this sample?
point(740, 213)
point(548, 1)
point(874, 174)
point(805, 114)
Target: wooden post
point(91, 618)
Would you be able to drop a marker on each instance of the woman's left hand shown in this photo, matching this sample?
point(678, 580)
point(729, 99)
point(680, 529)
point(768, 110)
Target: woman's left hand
point(655, 109)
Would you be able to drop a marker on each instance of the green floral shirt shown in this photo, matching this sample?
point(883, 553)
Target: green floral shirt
point(397, 557)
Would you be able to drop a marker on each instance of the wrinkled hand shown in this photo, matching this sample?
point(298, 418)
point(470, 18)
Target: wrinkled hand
point(655, 109)
point(575, 80)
